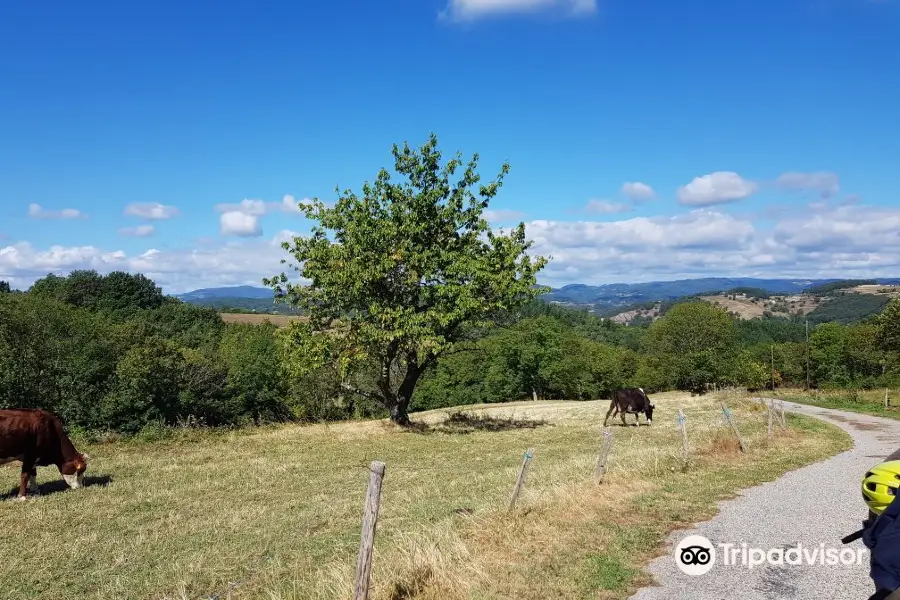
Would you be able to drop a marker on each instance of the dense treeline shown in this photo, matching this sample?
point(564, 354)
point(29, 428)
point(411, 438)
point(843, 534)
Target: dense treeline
point(843, 284)
point(112, 353)
point(695, 345)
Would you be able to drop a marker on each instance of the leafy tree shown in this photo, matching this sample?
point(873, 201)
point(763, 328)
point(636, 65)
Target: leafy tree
point(124, 291)
point(145, 387)
point(50, 286)
point(826, 352)
point(862, 356)
point(888, 324)
point(5, 287)
point(83, 288)
point(410, 265)
point(255, 378)
point(697, 344)
point(752, 374)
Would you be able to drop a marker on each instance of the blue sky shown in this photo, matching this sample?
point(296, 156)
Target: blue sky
point(648, 140)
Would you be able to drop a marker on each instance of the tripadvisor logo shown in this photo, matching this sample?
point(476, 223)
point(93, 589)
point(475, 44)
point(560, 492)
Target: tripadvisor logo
point(696, 555)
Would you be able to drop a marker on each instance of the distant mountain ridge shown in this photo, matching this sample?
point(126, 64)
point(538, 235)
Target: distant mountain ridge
point(592, 297)
point(623, 294)
point(240, 291)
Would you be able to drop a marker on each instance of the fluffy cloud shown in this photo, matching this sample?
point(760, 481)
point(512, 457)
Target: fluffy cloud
point(180, 270)
point(139, 231)
point(637, 191)
point(152, 211)
point(715, 188)
point(240, 224)
point(606, 207)
point(502, 214)
point(825, 183)
point(36, 212)
point(833, 241)
point(259, 208)
point(470, 10)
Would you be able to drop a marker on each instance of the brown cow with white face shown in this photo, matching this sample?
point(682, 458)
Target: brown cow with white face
point(36, 438)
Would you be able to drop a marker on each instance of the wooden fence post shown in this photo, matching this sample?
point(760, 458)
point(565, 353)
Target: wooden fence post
point(734, 427)
point(887, 400)
point(521, 478)
point(600, 470)
point(684, 440)
point(781, 414)
point(367, 540)
point(769, 405)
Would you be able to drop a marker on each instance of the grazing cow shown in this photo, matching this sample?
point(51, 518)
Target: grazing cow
point(36, 438)
point(630, 400)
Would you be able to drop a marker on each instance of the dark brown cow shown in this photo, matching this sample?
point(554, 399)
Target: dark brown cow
point(630, 400)
point(36, 438)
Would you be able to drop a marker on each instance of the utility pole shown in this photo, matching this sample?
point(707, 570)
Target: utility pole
point(773, 367)
point(807, 355)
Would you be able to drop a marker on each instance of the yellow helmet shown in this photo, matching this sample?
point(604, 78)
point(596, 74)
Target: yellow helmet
point(880, 485)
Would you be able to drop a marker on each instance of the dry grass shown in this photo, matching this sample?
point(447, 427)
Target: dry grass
point(258, 319)
point(865, 401)
point(275, 513)
point(745, 308)
point(881, 290)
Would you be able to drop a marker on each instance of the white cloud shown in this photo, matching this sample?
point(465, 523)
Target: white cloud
point(152, 211)
point(605, 207)
point(259, 207)
point(502, 214)
point(715, 188)
point(36, 212)
point(637, 191)
point(855, 229)
point(240, 224)
point(840, 241)
point(471, 10)
point(825, 183)
point(243, 262)
point(139, 231)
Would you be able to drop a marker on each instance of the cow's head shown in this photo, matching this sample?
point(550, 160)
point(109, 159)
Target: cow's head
point(73, 471)
point(649, 412)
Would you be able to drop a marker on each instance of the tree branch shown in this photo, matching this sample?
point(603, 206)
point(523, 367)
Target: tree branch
point(358, 392)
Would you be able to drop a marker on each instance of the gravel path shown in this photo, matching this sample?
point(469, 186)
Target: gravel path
point(815, 504)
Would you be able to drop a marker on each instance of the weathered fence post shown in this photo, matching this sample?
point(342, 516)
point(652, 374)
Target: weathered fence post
point(734, 427)
point(367, 540)
point(781, 414)
point(600, 470)
point(684, 440)
point(769, 405)
point(887, 399)
point(521, 479)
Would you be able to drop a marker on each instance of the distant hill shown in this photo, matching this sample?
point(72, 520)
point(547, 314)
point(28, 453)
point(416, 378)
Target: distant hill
point(627, 294)
point(241, 291)
point(602, 300)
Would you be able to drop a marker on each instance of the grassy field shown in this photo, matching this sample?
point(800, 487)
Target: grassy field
point(257, 319)
point(274, 513)
point(865, 401)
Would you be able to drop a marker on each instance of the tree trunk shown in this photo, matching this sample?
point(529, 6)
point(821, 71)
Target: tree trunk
point(398, 412)
point(398, 404)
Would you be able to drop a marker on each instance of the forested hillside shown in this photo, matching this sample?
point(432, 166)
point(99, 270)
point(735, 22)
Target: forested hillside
point(113, 354)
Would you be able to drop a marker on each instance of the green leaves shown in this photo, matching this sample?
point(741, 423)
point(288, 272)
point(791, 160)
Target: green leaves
point(697, 343)
point(888, 323)
point(402, 268)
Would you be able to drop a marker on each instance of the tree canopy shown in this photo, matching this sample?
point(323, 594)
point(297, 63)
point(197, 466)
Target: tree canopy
point(410, 265)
